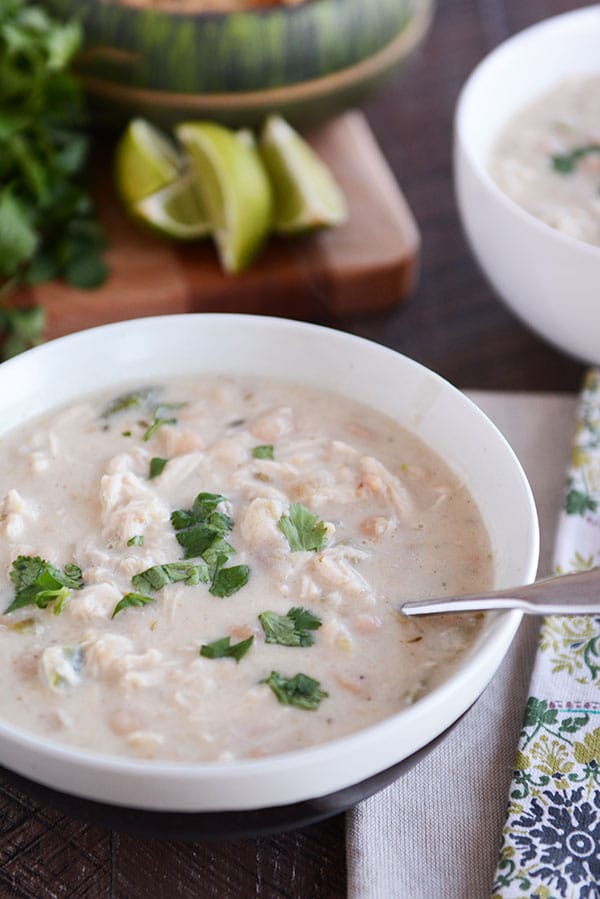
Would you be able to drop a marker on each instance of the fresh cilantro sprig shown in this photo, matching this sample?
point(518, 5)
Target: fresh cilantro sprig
point(48, 227)
point(39, 583)
point(565, 163)
point(301, 691)
point(224, 648)
point(131, 600)
point(303, 529)
point(293, 629)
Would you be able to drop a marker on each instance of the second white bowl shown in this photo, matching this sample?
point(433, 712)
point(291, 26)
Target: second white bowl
point(550, 280)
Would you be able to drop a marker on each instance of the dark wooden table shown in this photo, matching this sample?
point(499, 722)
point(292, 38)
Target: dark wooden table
point(455, 325)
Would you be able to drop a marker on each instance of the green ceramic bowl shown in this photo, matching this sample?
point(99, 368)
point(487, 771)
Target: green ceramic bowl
point(306, 61)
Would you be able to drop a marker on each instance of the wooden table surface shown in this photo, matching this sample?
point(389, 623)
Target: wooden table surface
point(455, 325)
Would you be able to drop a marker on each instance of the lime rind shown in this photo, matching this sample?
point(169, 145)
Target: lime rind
point(307, 196)
point(234, 187)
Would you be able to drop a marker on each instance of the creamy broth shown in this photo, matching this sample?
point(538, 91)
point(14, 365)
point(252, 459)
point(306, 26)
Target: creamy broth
point(390, 522)
point(547, 159)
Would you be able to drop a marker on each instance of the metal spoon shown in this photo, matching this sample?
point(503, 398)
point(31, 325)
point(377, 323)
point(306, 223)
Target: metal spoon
point(566, 594)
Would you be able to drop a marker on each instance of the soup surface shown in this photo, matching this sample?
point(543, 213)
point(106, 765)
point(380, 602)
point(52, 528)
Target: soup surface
point(211, 569)
point(547, 159)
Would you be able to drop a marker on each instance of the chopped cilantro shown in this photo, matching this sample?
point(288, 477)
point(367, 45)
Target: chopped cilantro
point(196, 540)
point(132, 400)
point(200, 533)
point(217, 553)
point(161, 417)
point(565, 163)
point(227, 581)
point(204, 504)
point(223, 648)
point(160, 575)
point(292, 629)
point(157, 466)
point(301, 690)
point(263, 452)
point(131, 600)
point(136, 540)
point(39, 583)
point(201, 526)
point(303, 530)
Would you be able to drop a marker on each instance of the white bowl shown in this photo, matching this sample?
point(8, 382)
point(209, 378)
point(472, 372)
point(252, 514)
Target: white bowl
point(156, 348)
point(549, 279)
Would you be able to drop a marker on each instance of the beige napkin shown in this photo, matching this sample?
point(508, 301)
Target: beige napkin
point(436, 832)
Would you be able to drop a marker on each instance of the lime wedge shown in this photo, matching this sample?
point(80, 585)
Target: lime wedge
point(175, 211)
point(145, 161)
point(307, 195)
point(234, 188)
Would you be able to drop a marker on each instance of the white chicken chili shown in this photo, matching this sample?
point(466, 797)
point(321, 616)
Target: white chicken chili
point(211, 569)
point(547, 158)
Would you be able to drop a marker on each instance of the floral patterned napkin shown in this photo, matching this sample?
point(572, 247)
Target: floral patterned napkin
point(551, 839)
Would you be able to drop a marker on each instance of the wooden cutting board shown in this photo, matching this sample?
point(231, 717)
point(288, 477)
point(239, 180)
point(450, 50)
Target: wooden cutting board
point(369, 264)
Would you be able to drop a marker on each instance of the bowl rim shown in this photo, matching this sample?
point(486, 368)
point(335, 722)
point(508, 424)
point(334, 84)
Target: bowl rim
point(480, 660)
point(477, 164)
point(402, 44)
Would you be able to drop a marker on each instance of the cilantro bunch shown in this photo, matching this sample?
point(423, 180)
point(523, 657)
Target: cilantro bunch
point(48, 227)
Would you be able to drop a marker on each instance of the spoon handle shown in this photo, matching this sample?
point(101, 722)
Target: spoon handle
point(566, 594)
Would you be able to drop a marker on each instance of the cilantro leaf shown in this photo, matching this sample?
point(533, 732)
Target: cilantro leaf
point(205, 503)
point(223, 648)
point(292, 629)
point(196, 539)
point(39, 583)
point(303, 529)
point(157, 466)
point(301, 690)
point(161, 417)
point(159, 576)
point(565, 163)
point(131, 600)
point(263, 452)
point(132, 400)
point(227, 581)
point(136, 540)
point(217, 553)
point(202, 526)
point(200, 531)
